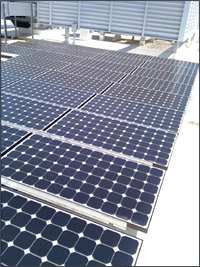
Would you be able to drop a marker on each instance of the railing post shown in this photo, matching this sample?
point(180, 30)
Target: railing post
point(32, 20)
point(5, 26)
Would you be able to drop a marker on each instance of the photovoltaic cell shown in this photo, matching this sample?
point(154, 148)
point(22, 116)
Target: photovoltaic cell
point(59, 95)
point(164, 75)
point(123, 189)
point(152, 97)
point(148, 115)
point(37, 234)
point(29, 113)
point(9, 136)
point(122, 137)
point(73, 81)
point(157, 85)
point(99, 74)
point(8, 79)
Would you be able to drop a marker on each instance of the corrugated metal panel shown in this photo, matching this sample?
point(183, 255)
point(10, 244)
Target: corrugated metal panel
point(193, 19)
point(64, 13)
point(157, 19)
point(43, 12)
point(164, 19)
point(95, 15)
point(128, 17)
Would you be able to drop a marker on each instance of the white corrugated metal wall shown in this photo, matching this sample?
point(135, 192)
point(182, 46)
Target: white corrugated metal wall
point(158, 19)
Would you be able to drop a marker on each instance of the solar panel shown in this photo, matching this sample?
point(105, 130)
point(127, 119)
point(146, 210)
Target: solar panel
point(172, 62)
point(47, 56)
point(158, 85)
point(28, 112)
point(163, 75)
point(42, 63)
point(110, 185)
point(9, 136)
point(148, 115)
point(37, 234)
point(99, 64)
point(99, 74)
point(60, 95)
point(8, 79)
point(187, 70)
point(122, 137)
point(74, 81)
point(123, 55)
point(122, 58)
point(17, 70)
point(152, 97)
point(17, 50)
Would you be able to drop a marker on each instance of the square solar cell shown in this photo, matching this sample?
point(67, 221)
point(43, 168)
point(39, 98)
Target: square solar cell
point(60, 95)
point(148, 115)
point(152, 97)
point(8, 79)
point(74, 81)
point(121, 137)
point(52, 244)
point(158, 85)
point(29, 113)
point(119, 188)
point(99, 74)
point(9, 136)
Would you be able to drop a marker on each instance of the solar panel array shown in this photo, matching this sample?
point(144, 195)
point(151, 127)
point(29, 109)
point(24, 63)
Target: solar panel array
point(37, 234)
point(95, 130)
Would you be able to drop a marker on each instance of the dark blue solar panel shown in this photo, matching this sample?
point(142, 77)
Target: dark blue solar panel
point(122, 58)
point(122, 137)
point(164, 76)
point(18, 50)
point(152, 97)
point(158, 85)
point(188, 69)
point(111, 185)
point(100, 74)
point(99, 64)
point(47, 59)
point(58, 47)
point(27, 112)
point(42, 241)
point(8, 79)
point(9, 136)
point(130, 111)
point(74, 81)
point(20, 71)
point(49, 93)
point(172, 62)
